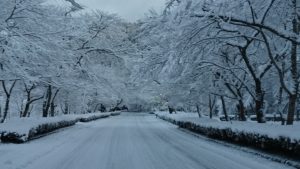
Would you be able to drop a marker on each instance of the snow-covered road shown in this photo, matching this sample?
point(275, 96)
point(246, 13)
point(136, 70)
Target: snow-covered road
point(129, 141)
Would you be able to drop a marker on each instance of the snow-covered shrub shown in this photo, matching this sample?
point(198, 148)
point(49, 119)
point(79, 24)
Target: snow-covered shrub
point(49, 127)
point(279, 144)
point(115, 113)
point(12, 137)
point(32, 128)
point(34, 131)
point(93, 117)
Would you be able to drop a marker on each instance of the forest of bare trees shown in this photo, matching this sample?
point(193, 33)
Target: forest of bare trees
point(214, 57)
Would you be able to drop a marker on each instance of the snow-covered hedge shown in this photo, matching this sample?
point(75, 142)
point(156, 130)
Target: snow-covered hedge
point(93, 117)
point(283, 141)
point(20, 130)
point(49, 127)
point(115, 113)
point(12, 137)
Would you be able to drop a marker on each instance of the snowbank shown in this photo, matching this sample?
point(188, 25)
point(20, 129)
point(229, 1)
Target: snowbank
point(20, 130)
point(269, 136)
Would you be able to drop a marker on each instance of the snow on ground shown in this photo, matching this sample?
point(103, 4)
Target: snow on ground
point(129, 141)
point(22, 126)
point(273, 130)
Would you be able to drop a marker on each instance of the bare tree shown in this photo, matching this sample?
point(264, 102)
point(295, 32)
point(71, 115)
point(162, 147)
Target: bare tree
point(30, 99)
point(8, 93)
point(48, 105)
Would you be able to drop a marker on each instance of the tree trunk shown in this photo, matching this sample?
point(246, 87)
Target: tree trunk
point(294, 71)
point(6, 108)
point(259, 102)
point(282, 119)
point(298, 115)
point(8, 94)
point(52, 109)
point(66, 109)
point(26, 110)
point(242, 113)
point(242, 116)
point(224, 108)
point(29, 101)
point(52, 104)
point(259, 95)
point(47, 101)
point(210, 108)
point(29, 112)
point(291, 109)
point(27, 106)
point(198, 111)
point(279, 103)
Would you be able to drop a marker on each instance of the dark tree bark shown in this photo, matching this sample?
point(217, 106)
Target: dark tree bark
point(52, 104)
point(29, 100)
point(291, 109)
point(279, 103)
point(7, 101)
point(298, 115)
point(294, 71)
point(293, 94)
point(239, 97)
point(224, 108)
point(259, 102)
point(242, 115)
point(198, 111)
point(211, 106)
point(52, 109)
point(259, 94)
point(66, 108)
point(241, 109)
point(282, 118)
point(47, 101)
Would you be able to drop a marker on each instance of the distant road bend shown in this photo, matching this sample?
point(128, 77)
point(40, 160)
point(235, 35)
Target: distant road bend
point(129, 141)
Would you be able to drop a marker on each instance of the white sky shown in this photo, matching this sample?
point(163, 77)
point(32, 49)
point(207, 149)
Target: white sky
point(130, 10)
